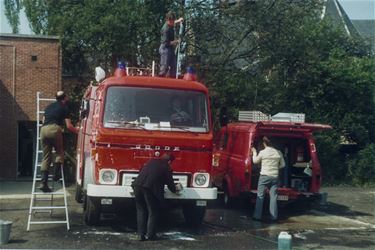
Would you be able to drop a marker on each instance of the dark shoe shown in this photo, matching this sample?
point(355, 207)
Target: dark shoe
point(57, 172)
point(141, 238)
point(44, 182)
point(257, 219)
point(153, 238)
point(273, 221)
point(45, 188)
point(270, 220)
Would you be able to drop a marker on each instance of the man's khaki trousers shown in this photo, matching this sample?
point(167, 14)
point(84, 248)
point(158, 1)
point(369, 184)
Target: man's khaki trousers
point(51, 137)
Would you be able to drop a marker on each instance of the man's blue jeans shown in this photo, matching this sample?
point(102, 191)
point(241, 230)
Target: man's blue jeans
point(271, 183)
point(167, 61)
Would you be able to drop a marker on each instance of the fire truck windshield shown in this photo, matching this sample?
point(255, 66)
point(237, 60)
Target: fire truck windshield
point(155, 109)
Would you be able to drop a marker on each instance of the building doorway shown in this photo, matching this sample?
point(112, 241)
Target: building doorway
point(26, 148)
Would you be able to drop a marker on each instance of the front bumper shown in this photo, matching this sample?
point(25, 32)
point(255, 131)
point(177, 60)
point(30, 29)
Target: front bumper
point(112, 191)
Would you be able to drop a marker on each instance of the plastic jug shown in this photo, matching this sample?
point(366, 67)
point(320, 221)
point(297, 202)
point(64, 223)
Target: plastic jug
point(284, 241)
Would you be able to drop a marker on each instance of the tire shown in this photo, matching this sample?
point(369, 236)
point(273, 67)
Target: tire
point(193, 214)
point(92, 212)
point(79, 193)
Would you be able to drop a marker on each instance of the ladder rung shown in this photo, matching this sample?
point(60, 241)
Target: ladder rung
point(43, 199)
point(41, 151)
point(42, 211)
point(48, 222)
point(38, 177)
point(43, 208)
point(47, 99)
point(50, 193)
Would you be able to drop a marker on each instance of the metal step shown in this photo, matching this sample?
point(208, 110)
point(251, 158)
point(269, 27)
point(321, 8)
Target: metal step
point(39, 178)
point(49, 208)
point(49, 222)
point(43, 199)
point(50, 193)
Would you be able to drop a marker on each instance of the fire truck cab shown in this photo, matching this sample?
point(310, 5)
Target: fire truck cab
point(235, 173)
point(127, 120)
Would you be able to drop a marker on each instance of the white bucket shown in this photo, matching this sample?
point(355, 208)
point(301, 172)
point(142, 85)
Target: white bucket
point(5, 227)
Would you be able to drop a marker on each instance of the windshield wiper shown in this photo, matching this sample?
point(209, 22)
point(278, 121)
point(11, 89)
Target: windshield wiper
point(184, 128)
point(133, 123)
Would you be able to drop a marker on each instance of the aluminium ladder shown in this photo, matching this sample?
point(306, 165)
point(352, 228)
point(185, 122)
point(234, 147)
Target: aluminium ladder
point(39, 196)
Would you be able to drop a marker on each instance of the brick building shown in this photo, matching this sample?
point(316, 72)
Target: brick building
point(28, 63)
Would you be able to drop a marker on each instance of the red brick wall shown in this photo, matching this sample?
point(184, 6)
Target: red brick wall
point(20, 79)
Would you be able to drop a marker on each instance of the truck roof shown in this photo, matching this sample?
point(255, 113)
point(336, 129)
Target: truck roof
point(277, 126)
point(148, 81)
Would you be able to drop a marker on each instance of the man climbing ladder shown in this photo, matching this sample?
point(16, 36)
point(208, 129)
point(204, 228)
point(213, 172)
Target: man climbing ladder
point(51, 137)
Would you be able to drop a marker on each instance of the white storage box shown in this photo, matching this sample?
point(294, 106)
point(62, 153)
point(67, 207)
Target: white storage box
point(288, 117)
point(252, 116)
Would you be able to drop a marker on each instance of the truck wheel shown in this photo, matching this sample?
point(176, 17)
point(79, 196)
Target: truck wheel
point(92, 212)
point(193, 214)
point(79, 195)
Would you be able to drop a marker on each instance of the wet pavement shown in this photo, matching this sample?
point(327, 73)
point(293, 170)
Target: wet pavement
point(345, 222)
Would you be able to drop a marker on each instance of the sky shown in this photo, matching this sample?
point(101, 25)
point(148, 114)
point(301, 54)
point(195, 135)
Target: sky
point(24, 24)
point(359, 9)
point(356, 9)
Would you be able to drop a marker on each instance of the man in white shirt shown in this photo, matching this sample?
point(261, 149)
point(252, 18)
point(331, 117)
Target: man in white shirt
point(271, 161)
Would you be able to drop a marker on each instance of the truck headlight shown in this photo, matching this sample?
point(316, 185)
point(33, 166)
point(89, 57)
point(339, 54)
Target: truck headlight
point(201, 180)
point(107, 176)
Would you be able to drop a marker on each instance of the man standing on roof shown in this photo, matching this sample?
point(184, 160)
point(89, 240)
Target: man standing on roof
point(166, 49)
point(55, 115)
point(271, 161)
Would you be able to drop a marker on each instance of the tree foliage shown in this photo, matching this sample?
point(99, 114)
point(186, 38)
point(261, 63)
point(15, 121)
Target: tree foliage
point(264, 55)
point(100, 32)
point(280, 56)
point(12, 11)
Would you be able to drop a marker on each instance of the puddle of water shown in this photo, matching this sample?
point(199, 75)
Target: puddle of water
point(303, 235)
point(178, 236)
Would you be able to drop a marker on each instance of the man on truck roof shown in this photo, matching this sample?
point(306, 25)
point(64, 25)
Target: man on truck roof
point(168, 43)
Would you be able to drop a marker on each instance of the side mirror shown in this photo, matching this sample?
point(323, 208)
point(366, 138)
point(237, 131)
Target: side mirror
point(223, 117)
point(99, 74)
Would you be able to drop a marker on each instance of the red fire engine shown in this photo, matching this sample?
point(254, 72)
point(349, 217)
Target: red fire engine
point(127, 120)
point(233, 169)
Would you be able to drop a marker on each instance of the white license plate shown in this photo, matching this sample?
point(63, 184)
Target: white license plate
point(201, 203)
point(282, 197)
point(106, 201)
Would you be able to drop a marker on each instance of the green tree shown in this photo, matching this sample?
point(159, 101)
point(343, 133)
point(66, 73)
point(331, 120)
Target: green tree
point(12, 10)
point(278, 56)
point(100, 32)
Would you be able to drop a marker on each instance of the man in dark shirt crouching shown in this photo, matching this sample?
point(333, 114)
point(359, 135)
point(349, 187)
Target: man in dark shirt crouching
point(149, 193)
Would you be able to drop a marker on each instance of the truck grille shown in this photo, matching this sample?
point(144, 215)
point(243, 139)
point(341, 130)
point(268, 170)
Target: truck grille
point(128, 178)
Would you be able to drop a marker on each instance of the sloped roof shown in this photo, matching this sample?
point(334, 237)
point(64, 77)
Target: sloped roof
point(334, 11)
point(367, 30)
